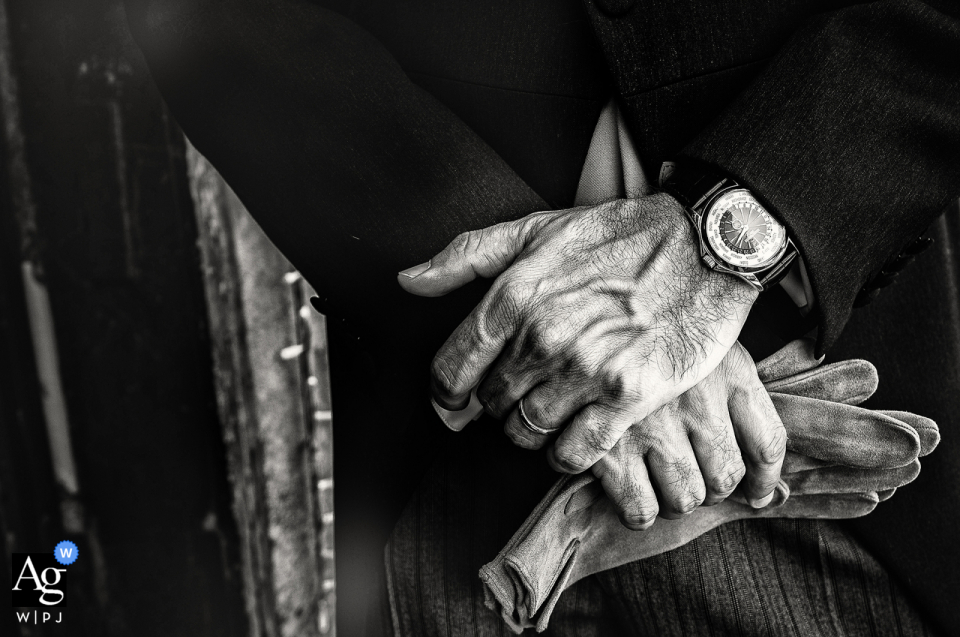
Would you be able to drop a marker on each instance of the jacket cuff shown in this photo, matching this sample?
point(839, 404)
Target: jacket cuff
point(851, 138)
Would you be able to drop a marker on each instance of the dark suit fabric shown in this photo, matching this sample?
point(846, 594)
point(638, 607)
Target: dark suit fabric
point(355, 180)
point(912, 334)
point(846, 123)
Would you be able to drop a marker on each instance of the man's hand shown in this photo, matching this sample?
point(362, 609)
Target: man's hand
point(599, 316)
point(696, 449)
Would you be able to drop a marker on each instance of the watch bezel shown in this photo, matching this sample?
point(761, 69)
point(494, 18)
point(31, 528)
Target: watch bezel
point(709, 206)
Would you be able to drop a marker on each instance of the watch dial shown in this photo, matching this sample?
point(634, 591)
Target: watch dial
point(742, 233)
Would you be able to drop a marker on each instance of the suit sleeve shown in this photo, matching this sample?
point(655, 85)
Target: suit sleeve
point(851, 135)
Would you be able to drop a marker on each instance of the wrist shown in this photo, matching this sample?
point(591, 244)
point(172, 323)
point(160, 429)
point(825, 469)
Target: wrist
point(681, 233)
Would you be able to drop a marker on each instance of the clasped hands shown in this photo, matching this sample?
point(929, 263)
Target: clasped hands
point(606, 324)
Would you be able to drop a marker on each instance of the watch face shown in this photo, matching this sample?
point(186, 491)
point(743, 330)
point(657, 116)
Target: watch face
point(742, 233)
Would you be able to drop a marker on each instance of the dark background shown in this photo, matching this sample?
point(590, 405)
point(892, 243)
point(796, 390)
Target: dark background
point(117, 240)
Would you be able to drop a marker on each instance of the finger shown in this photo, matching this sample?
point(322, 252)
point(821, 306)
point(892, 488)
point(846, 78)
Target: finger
point(464, 358)
point(794, 462)
point(485, 253)
point(624, 478)
point(718, 455)
point(507, 381)
point(547, 406)
point(927, 429)
point(847, 435)
point(674, 471)
point(851, 480)
point(850, 382)
point(591, 434)
point(824, 506)
point(540, 352)
point(762, 440)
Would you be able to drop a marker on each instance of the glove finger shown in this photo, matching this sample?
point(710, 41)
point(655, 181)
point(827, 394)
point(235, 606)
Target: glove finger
point(850, 382)
point(844, 434)
point(927, 429)
point(850, 480)
point(795, 357)
point(824, 507)
point(886, 495)
point(794, 462)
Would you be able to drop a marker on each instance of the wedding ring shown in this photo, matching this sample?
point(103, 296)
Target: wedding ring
point(529, 425)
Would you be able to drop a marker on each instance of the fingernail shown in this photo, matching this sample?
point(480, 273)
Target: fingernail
point(762, 502)
point(415, 271)
point(635, 523)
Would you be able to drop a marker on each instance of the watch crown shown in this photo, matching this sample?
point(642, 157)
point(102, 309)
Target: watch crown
point(709, 260)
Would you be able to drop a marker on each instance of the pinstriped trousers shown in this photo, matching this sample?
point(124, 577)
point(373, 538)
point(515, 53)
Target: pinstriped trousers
point(752, 577)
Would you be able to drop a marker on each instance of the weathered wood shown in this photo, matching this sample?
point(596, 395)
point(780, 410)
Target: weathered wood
point(269, 351)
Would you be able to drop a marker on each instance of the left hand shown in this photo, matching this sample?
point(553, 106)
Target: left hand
point(842, 461)
point(598, 317)
point(696, 449)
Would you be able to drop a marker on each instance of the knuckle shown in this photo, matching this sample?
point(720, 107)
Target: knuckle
point(520, 438)
point(771, 450)
point(599, 435)
point(572, 457)
point(727, 480)
point(448, 378)
point(547, 339)
point(619, 382)
point(492, 402)
point(543, 414)
point(512, 294)
point(641, 515)
point(686, 504)
point(684, 500)
point(462, 243)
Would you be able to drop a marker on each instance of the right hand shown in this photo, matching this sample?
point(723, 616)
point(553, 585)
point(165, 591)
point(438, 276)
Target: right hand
point(722, 433)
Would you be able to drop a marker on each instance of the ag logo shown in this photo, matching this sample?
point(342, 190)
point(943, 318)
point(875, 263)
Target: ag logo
point(39, 580)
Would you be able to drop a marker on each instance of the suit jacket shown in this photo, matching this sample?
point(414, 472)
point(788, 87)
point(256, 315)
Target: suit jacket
point(845, 120)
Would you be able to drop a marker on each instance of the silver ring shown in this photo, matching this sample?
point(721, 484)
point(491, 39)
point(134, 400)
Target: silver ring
point(529, 425)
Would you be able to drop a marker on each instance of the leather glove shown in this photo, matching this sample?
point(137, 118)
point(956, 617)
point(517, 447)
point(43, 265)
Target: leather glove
point(842, 461)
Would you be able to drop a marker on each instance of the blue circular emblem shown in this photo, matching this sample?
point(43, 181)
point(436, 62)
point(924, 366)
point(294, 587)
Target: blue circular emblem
point(66, 552)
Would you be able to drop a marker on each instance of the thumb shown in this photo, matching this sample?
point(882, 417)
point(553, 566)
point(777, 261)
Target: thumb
point(485, 253)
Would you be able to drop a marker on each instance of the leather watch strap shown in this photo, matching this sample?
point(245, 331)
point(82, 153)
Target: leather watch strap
point(775, 274)
point(693, 187)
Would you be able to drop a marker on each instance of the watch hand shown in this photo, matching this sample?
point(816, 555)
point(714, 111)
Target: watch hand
point(740, 237)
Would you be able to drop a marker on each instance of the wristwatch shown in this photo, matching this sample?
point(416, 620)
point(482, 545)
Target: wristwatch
point(736, 233)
